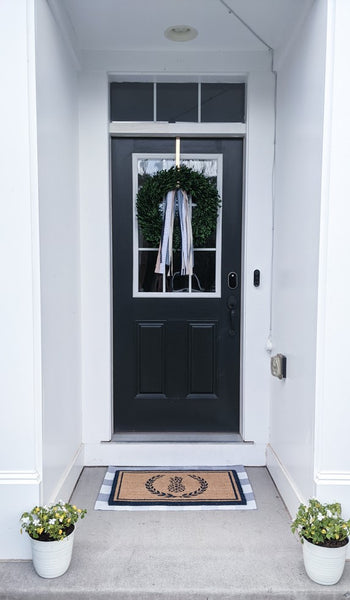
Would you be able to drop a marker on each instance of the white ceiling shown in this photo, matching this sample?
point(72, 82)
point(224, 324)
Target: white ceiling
point(140, 24)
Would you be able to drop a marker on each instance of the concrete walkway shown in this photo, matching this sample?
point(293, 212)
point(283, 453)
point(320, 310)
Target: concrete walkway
point(209, 555)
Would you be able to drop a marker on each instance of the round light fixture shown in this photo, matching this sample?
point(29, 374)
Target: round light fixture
point(181, 33)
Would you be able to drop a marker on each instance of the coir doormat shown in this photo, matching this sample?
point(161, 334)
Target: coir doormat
point(186, 489)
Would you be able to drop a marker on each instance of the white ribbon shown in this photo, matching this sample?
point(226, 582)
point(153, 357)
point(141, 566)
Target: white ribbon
point(165, 251)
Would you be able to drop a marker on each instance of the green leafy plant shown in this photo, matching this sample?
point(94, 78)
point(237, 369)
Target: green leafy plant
point(203, 192)
point(51, 522)
point(321, 524)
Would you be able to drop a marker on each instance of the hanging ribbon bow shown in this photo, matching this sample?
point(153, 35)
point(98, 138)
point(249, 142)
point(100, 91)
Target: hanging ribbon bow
point(180, 199)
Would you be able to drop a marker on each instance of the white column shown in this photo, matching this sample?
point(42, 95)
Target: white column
point(332, 440)
point(20, 376)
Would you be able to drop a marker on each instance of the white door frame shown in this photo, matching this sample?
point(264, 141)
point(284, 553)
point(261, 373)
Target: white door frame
point(256, 253)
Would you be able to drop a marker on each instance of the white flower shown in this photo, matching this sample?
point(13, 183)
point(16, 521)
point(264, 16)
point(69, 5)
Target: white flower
point(52, 521)
point(320, 517)
point(329, 513)
point(25, 520)
point(36, 522)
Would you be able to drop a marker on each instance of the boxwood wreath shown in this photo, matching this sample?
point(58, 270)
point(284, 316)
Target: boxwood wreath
point(203, 193)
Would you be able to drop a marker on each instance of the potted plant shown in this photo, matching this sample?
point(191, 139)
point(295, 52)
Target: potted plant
point(324, 535)
point(51, 531)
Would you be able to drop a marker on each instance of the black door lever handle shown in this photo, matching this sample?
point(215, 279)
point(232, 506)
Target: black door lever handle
point(232, 317)
point(231, 305)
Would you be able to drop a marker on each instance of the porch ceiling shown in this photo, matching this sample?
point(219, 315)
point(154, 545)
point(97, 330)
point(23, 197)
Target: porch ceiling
point(140, 24)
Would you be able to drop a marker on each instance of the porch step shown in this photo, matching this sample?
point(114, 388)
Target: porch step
point(90, 594)
point(209, 555)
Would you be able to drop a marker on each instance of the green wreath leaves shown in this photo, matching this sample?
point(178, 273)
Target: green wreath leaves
point(203, 192)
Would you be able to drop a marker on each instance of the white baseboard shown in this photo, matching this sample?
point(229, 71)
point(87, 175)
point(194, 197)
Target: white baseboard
point(19, 492)
point(67, 482)
point(284, 483)
point(177, 454)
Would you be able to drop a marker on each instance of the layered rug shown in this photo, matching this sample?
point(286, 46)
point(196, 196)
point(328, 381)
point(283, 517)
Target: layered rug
point(181, 489)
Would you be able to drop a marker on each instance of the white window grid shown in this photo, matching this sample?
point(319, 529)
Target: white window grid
point(169, 161)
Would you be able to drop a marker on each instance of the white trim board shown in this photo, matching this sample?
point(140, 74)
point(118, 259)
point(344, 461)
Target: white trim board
point(332, 478)
point(16, 497)
point(69, 478)
point(178, 454)
point(160, 129)
point(19, 477)
point(96, 275)
point(285, 485)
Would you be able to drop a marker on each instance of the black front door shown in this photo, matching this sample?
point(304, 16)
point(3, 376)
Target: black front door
point(176, 345)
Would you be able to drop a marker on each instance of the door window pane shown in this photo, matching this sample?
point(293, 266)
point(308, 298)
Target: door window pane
point(177, 102)
point(131, 101)
point(149, 281)
point(205, 271)
point(206, 267)
point(223, 102)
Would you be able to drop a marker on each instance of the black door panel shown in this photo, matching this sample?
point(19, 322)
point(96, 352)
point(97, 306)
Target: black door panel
point(176, 361)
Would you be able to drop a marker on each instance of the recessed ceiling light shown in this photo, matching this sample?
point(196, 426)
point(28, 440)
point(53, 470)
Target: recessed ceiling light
point(181, 33)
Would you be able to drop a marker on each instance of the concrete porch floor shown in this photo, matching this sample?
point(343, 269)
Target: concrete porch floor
point(208, 555)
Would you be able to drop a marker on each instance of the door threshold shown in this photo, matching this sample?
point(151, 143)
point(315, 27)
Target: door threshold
point(150, 437)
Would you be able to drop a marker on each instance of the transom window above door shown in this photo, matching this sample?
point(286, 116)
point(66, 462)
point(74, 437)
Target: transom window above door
point(205, 280)
point(177, 102)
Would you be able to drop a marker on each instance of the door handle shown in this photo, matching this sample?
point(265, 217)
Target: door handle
point(231, 305)
point(232, 331)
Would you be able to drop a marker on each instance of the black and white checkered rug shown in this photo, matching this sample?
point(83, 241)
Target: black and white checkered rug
point(102, 502)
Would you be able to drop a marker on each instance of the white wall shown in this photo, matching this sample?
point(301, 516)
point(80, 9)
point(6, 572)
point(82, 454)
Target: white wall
point(57, 107)
point(20, 376)
point(300, 106)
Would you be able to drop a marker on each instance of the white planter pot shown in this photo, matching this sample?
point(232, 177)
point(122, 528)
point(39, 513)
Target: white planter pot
point(324, 565)
point(52, 559)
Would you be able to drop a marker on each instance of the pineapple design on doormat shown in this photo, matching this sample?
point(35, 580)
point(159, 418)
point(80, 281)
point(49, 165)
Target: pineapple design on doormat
point(176, 487)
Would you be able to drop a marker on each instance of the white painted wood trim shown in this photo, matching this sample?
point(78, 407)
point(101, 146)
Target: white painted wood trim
point(35, 242)
point(175, 454)
point(321, 341)
point(69, 478)
point(161, 129)
point(256, 226)
point(283, 481)
point(19, 477)
point(17, 495)
point(333, 478)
